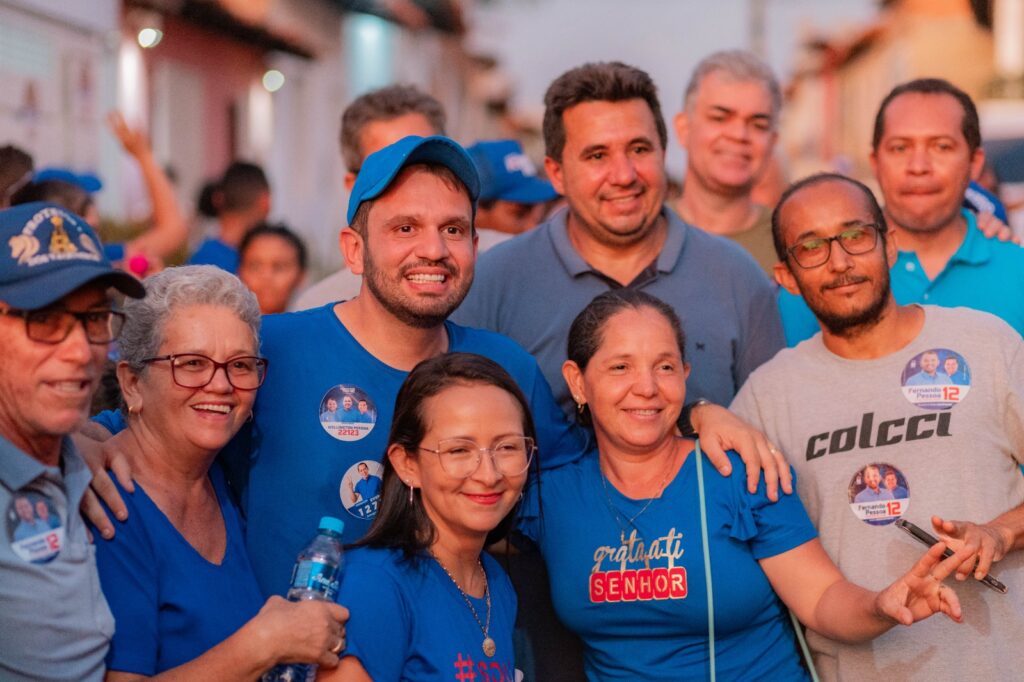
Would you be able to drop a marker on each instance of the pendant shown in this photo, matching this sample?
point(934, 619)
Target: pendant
point(489, 646)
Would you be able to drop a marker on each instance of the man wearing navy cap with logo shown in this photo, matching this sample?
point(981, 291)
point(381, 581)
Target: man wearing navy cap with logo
point(56, 320)
point(512, 197)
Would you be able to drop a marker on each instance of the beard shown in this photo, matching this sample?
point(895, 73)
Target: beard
point(850, 324)
point(423, 312)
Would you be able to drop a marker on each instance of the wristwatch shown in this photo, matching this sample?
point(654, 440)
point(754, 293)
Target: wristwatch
point(685, 425)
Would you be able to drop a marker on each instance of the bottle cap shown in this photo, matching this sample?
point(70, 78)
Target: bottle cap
point(332, 524)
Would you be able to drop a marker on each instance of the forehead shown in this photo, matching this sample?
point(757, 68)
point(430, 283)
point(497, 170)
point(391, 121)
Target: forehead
point(916, 114)
point(632, 328)
point(745, 95)
point(823, 207)
point(418, 192)
point(376, 135)
point(608, 123)
point(270, 245)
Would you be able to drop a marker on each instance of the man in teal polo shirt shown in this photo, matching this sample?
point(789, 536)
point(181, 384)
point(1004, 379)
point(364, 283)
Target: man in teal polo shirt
point(926, 148)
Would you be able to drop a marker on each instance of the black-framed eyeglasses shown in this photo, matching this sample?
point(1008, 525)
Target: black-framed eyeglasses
point(53, 325)
point(193, 370)
point(810, 253)
point(461, 457)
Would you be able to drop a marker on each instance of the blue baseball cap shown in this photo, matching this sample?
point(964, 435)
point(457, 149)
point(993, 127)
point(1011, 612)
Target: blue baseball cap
point(507, 174)
point(49, 252)
point(380, 168)
point(84, 181)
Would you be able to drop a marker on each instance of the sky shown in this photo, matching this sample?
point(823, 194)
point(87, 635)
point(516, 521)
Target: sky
point(536, 40)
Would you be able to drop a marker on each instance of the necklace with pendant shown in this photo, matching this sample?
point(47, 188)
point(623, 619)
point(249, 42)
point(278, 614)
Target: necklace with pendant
point(615, 512)
point(488, 645)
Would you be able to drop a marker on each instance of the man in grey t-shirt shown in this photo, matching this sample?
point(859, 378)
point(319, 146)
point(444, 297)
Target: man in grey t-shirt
point(871, 445)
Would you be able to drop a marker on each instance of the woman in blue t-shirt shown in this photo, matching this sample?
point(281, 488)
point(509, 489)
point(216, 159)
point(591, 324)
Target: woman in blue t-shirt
point(426, 602)
point(636, 533)
point(176, 575)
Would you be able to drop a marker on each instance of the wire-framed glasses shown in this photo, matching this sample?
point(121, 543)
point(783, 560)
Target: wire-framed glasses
point(460, 457)
point(810, 253)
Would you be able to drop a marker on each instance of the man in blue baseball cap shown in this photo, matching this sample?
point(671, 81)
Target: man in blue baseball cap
point(412, 239)
point(56, 320)
point(512, 197)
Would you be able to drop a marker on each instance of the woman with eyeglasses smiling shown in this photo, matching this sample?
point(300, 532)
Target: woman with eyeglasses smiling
point(176, 575)
point(427, 602)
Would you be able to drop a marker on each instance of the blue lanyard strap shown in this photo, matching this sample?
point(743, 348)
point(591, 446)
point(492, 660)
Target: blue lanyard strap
point(707, 554)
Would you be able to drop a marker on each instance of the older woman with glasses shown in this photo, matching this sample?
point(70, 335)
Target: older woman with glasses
point(427, 602)
point(176, 575)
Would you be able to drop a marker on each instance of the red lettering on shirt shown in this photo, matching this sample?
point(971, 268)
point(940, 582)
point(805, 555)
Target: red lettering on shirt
point(645, 584)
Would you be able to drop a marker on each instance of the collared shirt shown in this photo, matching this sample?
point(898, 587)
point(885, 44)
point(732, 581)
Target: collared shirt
point(532, 287)
point(55, 623)
point(983, 274)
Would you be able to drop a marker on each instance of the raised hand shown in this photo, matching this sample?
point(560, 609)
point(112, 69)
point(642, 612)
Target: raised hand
point(920, 593)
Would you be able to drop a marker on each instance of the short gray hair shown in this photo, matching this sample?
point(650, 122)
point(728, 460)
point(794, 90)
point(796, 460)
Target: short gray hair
point(738, 65)
point(172, 288)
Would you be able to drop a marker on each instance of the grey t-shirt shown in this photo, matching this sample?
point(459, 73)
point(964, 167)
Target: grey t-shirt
point(871, 442)
point(54, 621)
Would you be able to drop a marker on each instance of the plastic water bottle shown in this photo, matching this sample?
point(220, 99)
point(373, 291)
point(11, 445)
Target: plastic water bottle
point(316, 575)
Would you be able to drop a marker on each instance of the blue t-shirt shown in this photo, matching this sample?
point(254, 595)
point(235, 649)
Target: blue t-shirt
point(869, 495)
point(31, 528)
point(922, 378)
point(640, 606)
point(170, 604)
point(408, 620)
point(983, 274)
point(216, 252)
point(292, 469)
point(368, 488)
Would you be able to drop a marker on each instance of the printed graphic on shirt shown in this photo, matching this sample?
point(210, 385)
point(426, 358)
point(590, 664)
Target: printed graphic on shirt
point(879, 494)
point(936, 379)
point(638, 571)
point(347, 412)
point(360, 489)
point(481, 669)
point(34, 528)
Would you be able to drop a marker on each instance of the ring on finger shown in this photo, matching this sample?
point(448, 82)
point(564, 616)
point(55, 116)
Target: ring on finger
point(337, 648)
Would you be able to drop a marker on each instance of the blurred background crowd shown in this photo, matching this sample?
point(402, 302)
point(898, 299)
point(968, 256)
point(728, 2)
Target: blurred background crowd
point(250, 92)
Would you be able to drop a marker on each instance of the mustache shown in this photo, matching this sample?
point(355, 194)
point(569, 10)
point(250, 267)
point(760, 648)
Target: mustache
point(445, 265)
point(844, 280)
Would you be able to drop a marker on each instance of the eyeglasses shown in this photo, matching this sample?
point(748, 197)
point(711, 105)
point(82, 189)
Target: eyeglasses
point(460, 457)
point(810, 253)
point(53, 325)
point(192, 370)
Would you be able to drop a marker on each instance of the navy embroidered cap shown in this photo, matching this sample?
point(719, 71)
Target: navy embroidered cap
point(47, 252)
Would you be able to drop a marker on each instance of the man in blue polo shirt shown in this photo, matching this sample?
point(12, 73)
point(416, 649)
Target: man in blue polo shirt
point(926, 148)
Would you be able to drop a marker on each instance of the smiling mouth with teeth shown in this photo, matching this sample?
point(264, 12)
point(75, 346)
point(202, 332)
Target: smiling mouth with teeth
point(427, 278)
point(70, 386)
point(219, 409)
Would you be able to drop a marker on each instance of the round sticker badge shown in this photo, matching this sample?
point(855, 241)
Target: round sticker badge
point(879, 494)
point(936, 379)
point(34, 528)
point(360, 489)
point(347, 413)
